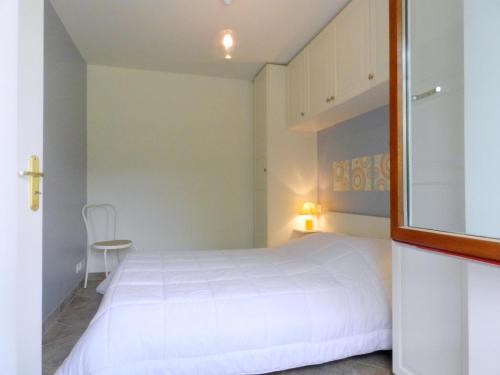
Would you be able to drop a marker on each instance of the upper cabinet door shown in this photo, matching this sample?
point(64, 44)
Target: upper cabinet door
point(353, 49)
point(320, 72)
point(332, 53)
point(379, 44)
point(298, 87)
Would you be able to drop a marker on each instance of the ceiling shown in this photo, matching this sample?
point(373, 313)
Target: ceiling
point(181, 35)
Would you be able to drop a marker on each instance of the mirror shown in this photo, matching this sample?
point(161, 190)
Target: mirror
point(452, 116)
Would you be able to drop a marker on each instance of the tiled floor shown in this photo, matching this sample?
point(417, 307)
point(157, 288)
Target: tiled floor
point(65, 331)
point(72, 321)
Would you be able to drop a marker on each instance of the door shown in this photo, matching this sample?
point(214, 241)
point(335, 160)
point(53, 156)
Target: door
point(353, 49)
point(260, 159)
point(320, 73)
point(298, 88)
point(21, 119)
point(379, 44)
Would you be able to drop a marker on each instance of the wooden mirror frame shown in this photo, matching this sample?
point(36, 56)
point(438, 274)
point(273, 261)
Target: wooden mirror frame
point(473, 247)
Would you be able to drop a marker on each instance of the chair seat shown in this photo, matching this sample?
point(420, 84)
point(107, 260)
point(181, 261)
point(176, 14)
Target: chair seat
point(112, 245)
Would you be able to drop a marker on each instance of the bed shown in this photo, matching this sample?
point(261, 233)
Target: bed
point(316, 299)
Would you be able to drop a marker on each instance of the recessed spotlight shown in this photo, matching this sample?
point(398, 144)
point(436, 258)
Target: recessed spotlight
point(226, 44)
point(228, 2)
point(227, 40)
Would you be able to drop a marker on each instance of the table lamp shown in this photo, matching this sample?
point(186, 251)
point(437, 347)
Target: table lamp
point(309, 209)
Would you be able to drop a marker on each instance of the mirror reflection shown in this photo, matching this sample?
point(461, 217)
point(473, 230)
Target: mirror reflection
point(453, 116)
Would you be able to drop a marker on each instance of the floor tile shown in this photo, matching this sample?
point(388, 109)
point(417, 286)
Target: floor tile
point(381, 359)
point(378, 363)
point(90, 291)
point(57, 344)
point(79, 311)
point(49, 370)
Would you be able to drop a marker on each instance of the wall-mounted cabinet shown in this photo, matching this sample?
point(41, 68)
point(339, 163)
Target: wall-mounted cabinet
point(322, 71)
point(344, 71)
point(353, 49)
point(298, 87)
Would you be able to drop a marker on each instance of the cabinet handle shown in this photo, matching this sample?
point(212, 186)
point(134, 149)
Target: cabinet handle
point(302, 114)
point(332, 98)
point(328, 100)
point(370, 76)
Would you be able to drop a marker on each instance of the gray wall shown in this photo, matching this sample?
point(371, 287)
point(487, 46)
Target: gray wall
point(364, 135)
point(64, 162)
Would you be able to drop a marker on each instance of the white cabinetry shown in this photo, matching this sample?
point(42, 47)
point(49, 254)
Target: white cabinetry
point(379, 42)
point(298, 87)
point(285, 162)
point(353, 49)
point(344, 71)
point(322, 71)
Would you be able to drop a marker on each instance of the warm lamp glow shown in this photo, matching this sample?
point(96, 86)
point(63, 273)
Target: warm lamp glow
point(308, 208)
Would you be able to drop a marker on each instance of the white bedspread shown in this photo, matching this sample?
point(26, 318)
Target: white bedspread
point(317, 299)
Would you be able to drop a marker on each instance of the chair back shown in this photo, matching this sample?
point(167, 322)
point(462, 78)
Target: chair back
point(100, 222)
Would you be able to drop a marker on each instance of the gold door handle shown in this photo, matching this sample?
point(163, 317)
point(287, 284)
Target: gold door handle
point(34, 175)
point(31, 174)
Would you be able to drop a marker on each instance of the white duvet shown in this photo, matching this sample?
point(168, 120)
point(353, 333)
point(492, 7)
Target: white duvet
point(314, 300)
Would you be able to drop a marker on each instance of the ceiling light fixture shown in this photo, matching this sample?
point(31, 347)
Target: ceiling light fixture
point(228, 2)
point(227, 40)
point(227, 44)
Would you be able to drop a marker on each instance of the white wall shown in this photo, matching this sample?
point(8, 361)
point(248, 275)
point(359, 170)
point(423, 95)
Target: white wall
point(446, 314)
point(429, 313)
point(174, 153)
point(484, 318)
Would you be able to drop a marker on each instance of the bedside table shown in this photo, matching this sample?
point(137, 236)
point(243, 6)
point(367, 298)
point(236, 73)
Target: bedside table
point(304, 232)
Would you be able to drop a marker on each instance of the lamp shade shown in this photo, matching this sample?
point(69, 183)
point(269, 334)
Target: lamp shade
point(308, 208)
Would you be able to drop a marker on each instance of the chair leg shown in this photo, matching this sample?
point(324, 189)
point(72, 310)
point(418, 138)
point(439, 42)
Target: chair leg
point(105, 263)
point(87, 261)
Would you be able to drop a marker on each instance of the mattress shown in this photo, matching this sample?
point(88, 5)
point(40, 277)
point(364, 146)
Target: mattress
point(314, 300)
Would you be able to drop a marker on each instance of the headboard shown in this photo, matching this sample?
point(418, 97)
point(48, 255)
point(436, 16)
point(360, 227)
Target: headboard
point(356, 225)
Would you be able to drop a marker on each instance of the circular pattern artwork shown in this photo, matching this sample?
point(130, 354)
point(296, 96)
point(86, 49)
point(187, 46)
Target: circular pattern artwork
point(385, 165)
point(358, 179)
point(367, 173)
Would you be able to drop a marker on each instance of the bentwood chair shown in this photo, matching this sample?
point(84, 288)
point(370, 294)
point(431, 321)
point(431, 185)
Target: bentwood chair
point(100, 223)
